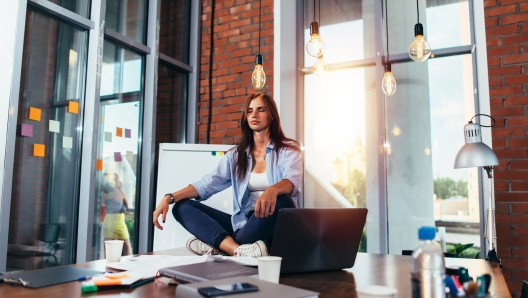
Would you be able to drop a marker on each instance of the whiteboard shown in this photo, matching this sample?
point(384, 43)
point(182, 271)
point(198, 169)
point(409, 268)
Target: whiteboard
point(180, 165)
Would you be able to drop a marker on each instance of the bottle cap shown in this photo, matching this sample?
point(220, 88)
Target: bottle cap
point(426, 233)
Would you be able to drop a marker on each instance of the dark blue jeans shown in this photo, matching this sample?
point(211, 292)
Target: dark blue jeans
point(212, 226)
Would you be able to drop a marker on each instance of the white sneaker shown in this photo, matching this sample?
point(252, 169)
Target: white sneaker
point(255, 250)
point(199, 247)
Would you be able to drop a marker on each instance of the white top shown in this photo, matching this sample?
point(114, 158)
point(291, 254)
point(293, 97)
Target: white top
point(258, 182)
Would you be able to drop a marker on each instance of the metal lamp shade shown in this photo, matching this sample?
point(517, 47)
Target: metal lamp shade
point(474, 153)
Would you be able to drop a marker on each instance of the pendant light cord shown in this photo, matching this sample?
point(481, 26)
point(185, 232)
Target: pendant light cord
point(260, 13)
point(387, 30)
point(314, 9)
point(417, 12)
point(319, 13)
point(209, 117)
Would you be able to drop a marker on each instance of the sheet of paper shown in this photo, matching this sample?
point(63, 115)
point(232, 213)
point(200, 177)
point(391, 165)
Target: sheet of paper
point(150, 264)
point(246, 261)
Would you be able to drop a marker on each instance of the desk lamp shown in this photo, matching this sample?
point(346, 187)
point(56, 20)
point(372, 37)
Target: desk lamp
point(477, 154)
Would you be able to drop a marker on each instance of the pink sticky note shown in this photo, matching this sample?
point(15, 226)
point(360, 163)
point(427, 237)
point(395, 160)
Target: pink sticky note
point(26, 130)
point(117, 156)
point(128, 133)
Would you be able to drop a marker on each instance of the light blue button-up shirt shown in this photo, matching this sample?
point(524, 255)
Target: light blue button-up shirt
point(285, 164)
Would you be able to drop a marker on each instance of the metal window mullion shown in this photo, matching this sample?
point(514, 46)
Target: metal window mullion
point(344, 65)
point(62, 14)
point(193, 91)
point(148, 136)
point(9, 108)
point(482, 105)
point(382, 158)
point(438, 53)
point(126, 42)
point(175, 64)
point(87, 195)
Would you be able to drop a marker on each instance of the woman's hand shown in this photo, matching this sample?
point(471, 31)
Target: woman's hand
point(162, 210)
point(265, 205)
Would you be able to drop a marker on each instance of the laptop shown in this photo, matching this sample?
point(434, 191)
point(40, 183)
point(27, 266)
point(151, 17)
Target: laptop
point(310, 240)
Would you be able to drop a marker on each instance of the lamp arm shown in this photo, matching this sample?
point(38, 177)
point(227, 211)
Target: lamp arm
point(488, 169)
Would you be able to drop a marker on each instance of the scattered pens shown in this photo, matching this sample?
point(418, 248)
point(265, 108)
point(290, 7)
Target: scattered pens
point(83, 278)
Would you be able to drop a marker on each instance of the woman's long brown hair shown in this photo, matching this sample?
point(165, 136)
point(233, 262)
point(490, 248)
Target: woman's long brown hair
point(275, 132)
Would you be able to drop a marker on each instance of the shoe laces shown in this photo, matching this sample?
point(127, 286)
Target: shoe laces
point(204, 248)
point(248, 250)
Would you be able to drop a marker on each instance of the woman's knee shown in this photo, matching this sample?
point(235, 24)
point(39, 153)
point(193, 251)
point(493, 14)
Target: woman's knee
point(284, 201)
point(181, 207)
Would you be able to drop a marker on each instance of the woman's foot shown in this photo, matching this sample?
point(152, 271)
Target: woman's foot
point(199, 247)
point(255, 250)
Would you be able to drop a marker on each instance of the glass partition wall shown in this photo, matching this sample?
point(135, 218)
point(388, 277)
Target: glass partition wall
point(393, 155)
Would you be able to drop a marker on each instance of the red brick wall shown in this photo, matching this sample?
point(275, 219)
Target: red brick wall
point(507, 43)
point(235, 46)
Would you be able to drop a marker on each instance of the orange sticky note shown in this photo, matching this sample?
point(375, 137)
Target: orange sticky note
point(117, 276)
point(73, 107)
point(106, 282)
point(119, 132)
point(34, 114)
point(98, 164)
point(38, 150)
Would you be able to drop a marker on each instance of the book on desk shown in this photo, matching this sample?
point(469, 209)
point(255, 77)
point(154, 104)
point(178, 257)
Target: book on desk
point(210, 270)
point(266, 289)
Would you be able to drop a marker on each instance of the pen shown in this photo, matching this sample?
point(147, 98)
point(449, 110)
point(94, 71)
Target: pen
point(94, 288)
point(82, 278)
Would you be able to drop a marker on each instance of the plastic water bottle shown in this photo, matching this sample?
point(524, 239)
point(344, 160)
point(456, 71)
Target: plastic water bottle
point(428, 266)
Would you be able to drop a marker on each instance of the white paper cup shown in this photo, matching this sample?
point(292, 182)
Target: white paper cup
point(113, 250)
point(269, 268)
point(376, 292)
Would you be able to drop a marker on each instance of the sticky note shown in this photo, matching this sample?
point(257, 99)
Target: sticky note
point(117, 276)
point(73, 107)
point(119, 132)
point(130, 156)
point(128, 133)
point(34, 114)
point(67, 142)
point(107, 282)
point(54, 126)
point(117, 156)
point(26, 130)
point(108, 136)
point(98, 164)
point(38, 150)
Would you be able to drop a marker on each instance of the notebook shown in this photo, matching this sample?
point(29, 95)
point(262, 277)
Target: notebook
point(49, 276)
point(321, 239)
point(210, 270)
point(266, 289)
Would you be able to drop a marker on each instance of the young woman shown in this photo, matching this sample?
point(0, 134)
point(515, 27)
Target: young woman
point(116, 204)
point(265, 170)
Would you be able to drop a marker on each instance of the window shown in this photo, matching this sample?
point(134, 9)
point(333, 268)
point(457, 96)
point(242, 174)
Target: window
point(42, 229)
point(406, 178)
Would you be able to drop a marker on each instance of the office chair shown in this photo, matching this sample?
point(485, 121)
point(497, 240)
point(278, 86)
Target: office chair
point(51, 235)
point(524, 291)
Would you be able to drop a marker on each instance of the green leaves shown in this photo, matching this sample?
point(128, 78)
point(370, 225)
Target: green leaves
point(458, 249)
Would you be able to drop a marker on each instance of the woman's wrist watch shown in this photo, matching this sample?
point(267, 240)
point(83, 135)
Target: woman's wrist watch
point(172, 200)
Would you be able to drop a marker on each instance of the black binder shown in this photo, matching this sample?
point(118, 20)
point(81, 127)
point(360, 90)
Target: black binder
point(48, 276)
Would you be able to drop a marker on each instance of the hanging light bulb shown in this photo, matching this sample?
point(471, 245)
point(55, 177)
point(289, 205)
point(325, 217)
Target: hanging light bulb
point(315, 46)
point(388, 84)
point(320, 66)
point(420, 49)
point(258, 78)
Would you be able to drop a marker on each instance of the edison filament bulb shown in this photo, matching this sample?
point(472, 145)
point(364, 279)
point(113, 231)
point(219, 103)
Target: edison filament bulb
point(420, 50)
point(258, 78)
point(315, 46)
point(388, 84)
point(320, 66)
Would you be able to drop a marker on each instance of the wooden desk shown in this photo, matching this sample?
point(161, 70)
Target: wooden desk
point(369, 269)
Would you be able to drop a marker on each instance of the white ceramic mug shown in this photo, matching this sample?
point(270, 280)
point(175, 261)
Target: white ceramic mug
point(269, 268)
point(376, 292)
point(113, 249)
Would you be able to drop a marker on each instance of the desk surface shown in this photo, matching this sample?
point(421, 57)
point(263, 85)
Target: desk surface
point(369, 269)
